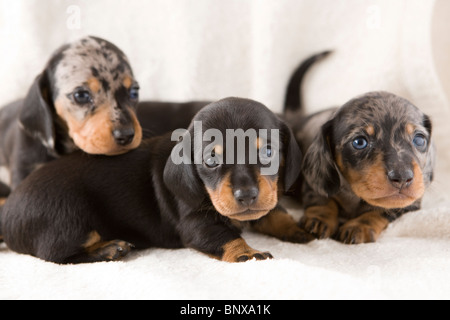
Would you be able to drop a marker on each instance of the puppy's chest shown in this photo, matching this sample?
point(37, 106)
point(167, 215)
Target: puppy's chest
point(350, 206)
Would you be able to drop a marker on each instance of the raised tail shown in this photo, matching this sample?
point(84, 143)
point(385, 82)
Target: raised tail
point(293, 101)
point(1, 213)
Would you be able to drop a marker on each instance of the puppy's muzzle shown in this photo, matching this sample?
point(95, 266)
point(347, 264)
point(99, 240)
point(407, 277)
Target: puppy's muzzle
point(401, 178)
point(124, 136)
point(246, 196)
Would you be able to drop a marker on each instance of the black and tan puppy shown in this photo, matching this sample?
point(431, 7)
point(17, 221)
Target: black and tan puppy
point(365, 164)
point(85, 98)
point(85, 208)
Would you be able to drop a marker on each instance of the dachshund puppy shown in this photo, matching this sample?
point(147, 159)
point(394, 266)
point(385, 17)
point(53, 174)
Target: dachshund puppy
point(85, 208)
point(85, 98)
point(365, 164)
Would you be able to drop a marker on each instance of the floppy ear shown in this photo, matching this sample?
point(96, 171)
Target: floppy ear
point(36, 116)
point(319, 167)
point(431, 157)
point(292, 157)
point(183, 181)
point(427, 124)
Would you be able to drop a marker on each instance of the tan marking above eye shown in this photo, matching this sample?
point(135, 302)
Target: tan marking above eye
point(370, 130)
point(259, 143)
point(94, 85)
point(218, 149)
point(410, 128)
point(127, 82)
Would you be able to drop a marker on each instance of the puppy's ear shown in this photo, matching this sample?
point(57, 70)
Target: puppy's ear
point(183, 181)
point(36, 116)
point(292, 157)
point(427, 124)
point(319, 167)
point(431, 157)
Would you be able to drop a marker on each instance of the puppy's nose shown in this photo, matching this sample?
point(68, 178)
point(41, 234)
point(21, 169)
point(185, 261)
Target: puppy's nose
point(401, 178)
point(123, 137)
point(246, 196)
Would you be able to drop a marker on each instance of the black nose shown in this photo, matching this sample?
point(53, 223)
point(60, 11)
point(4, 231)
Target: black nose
point(123, 137)
point(246, 196)
point(401, 178)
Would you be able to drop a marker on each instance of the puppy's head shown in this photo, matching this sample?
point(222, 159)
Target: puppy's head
point(380, 144)
point(89, 84)
point(241, 158)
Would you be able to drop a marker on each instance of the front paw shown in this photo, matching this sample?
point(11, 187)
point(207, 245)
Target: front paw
point(321, 221)
point(317, 227)
point(110, 251)
point(279, 224)
point(364, 229)
point(252, 255)
point(353, 233)
point(238, 251)
point(296, 234)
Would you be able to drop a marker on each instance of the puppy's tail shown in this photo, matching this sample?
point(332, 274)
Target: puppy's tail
point(1, 213)
point(293, 101)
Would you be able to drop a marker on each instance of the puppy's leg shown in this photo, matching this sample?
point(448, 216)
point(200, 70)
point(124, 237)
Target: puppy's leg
point(321, 220)
point(239, 251)
point(95, 250)
point(279, 224)
point(364, 229)
point(218, 239)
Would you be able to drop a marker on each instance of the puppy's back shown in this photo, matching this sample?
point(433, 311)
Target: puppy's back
point(71, 196)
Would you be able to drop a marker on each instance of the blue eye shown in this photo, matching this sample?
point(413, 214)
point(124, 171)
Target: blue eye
point(82, 96)
point(266, 152)
point(211, 163)
point(420, 141)
point(134, 93)
point(360, 143)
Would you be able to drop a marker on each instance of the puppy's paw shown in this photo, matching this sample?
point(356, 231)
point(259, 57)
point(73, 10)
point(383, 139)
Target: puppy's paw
point(317, 227)
point(352, 233)
point(321, 221)
point(279, 224)
point(239, 251)
point(110, 251)
point(364, 229)
point(295, 234)
point(253, 255)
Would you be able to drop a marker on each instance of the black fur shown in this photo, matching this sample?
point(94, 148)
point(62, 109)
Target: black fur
point(84, 208)
point(32, 133)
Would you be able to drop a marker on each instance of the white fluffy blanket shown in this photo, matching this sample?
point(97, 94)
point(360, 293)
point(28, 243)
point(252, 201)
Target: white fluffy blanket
point(209, 49)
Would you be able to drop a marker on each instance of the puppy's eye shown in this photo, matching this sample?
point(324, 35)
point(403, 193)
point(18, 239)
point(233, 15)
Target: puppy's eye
point(360, 143)
point(82, 96)
point(266, 152)
point(134, 93)
point(419, 141)
point(211, 162)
